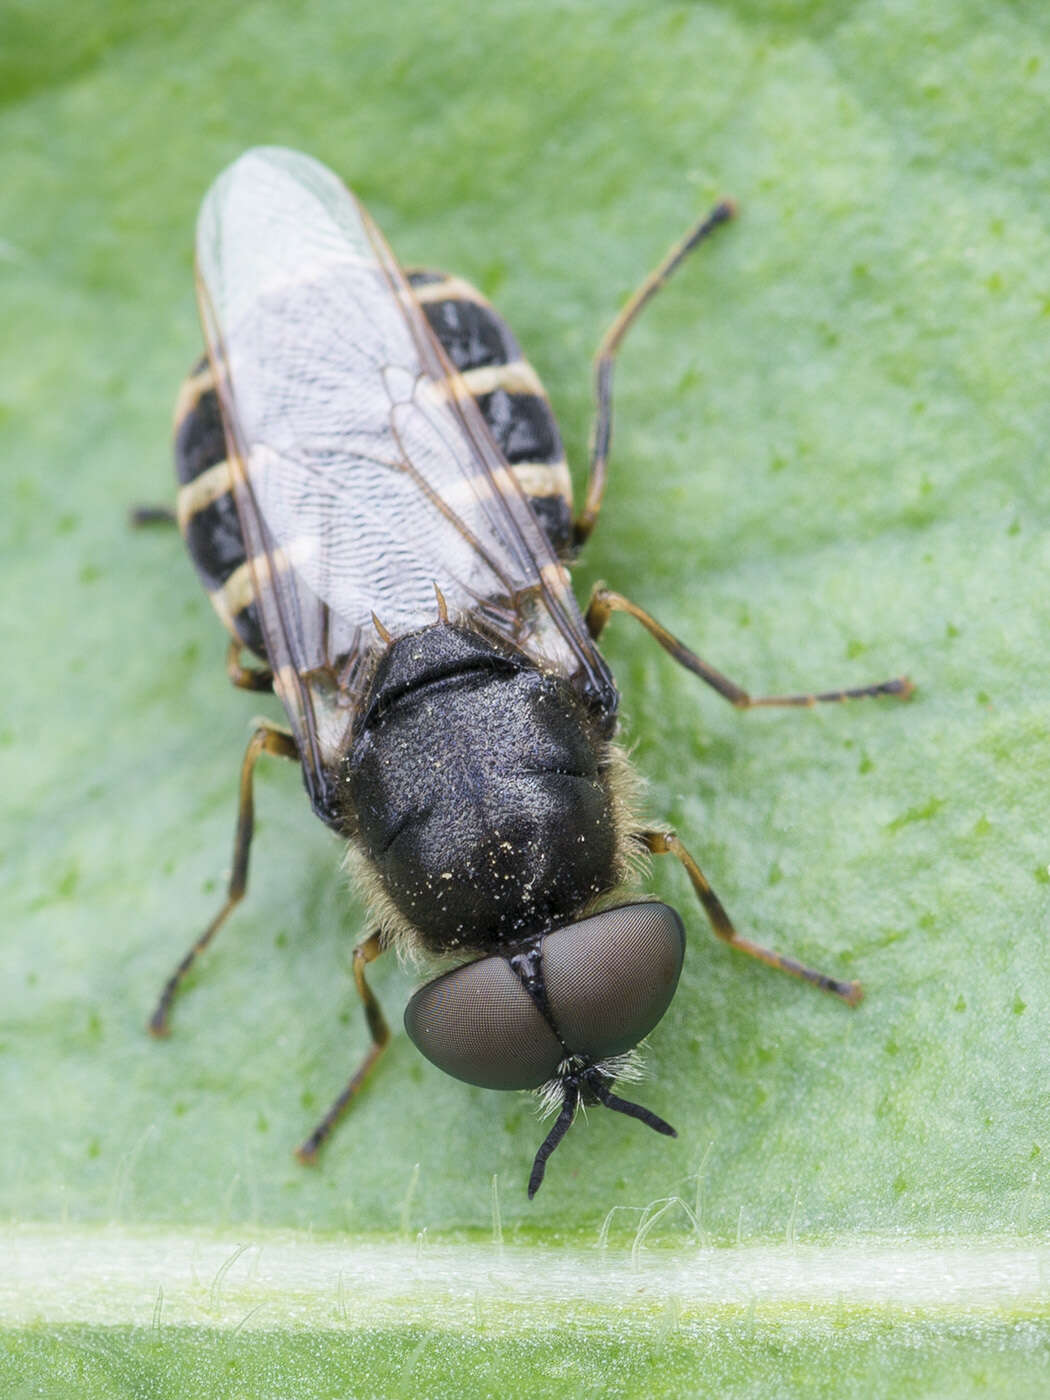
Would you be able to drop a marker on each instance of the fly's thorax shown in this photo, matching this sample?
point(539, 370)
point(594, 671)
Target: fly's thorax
point(480, 791)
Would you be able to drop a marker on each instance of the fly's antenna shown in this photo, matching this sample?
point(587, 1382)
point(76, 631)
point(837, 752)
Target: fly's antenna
point(550, 1142)
point(599, 1084)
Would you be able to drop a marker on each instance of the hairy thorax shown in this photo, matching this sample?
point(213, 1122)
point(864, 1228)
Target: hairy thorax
point(480, 792)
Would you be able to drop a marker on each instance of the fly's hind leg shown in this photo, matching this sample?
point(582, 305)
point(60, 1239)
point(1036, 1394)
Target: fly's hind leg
point(661, 843)
point(139, 517)
point(265, 739)
point(604, 602)
point(604, 361)
point(364, 953)
point(246, 677)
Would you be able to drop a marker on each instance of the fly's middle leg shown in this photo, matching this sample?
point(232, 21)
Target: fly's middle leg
point(265, 739)
point(604, 602)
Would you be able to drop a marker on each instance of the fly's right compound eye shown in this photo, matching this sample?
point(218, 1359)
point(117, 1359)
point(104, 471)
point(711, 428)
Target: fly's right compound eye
point(607, 981)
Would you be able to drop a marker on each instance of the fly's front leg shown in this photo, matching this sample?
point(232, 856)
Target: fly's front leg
point(265, 739)
point(661, 843)
point(364, 953)
point(604, 602)
point(604, 361)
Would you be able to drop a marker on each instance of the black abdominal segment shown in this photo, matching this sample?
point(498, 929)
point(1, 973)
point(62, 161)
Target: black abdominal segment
point(505, 387)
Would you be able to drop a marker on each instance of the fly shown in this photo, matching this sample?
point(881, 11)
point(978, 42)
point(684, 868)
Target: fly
point(373, 489)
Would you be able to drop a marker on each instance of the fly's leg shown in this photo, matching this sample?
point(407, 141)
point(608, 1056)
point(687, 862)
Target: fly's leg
point(246, 677)
point(364, 953)
point(661, 843)
point(604, 602)
point(141, 516)
point(265, 739)
point(243, 677)
point(601, 430)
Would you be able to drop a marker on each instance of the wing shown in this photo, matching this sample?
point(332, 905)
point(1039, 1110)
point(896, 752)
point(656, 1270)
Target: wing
point(364, 473)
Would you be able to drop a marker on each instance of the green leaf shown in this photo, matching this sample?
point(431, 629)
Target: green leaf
point(828, 469)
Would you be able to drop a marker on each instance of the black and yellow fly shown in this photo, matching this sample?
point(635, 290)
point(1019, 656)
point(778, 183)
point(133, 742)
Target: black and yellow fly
point(373, 489)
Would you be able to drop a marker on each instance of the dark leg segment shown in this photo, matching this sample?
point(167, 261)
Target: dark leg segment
point(364, 953)
point(604, 602)
point(263, 740)
point(661, 843)
point(246, 677)
point(601, 432)
point(141, 516)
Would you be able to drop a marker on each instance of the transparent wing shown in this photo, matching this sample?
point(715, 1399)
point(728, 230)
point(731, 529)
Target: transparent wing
point(364, 473)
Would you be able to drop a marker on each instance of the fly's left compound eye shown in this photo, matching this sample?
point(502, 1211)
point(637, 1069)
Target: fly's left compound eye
point(479, 1024)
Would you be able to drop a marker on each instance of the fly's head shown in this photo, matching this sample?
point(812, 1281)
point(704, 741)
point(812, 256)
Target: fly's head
point(556, 1012)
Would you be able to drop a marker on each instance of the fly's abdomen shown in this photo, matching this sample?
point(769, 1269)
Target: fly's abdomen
point(504, 385)
point(508, 392)
point(206, 511)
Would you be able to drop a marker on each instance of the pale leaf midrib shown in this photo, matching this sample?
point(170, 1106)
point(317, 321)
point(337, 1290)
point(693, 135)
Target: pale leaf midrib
point(253, 1279)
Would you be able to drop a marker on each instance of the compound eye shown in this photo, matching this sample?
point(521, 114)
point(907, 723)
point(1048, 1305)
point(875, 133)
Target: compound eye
point(611, 977)
point(479, 1024)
